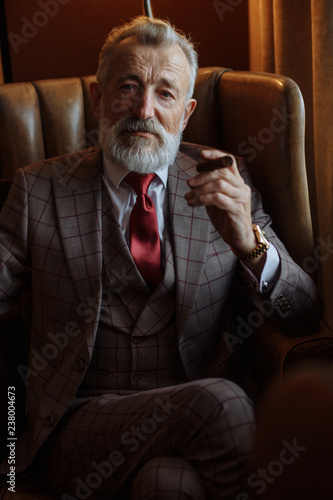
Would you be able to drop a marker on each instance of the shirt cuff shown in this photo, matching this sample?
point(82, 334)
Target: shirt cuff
point(270, 272)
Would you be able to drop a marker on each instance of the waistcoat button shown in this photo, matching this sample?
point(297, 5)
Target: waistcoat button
point(49, 420)
point(78, 365)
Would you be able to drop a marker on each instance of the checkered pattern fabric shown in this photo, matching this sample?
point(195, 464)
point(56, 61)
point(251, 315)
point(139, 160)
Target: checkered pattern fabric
point(51, 242)
point(135, 348)
point(99, 449)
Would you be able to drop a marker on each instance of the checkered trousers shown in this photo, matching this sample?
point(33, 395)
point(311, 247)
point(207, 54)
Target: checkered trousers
point(193, 441)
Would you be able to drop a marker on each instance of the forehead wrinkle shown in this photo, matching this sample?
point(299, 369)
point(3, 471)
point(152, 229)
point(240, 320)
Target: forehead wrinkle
point(153, 65)
point(152, 71)
point(129, 76)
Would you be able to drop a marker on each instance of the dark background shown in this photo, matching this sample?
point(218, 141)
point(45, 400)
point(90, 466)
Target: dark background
point(62, 38)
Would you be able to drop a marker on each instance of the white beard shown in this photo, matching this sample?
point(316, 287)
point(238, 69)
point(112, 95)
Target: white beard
point(139, 154)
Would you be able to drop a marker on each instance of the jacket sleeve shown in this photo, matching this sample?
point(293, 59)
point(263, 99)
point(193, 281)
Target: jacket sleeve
point(293, 302)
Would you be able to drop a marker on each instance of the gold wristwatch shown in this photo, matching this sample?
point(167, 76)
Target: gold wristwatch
point(262, 246)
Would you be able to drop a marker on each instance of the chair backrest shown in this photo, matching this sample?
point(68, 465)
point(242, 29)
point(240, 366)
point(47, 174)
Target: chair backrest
point(43, 119)
point(258, 116)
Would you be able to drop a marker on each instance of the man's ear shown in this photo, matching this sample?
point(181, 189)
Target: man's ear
point(96, 95)
point(189, 108)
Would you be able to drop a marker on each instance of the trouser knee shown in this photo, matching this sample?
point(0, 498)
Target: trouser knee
point(219, 405)
point(167, 478)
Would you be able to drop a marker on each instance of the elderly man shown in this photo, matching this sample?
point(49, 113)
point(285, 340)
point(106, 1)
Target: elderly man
point(131, 252)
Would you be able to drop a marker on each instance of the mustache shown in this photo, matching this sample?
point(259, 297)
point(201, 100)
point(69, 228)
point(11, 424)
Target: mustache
point(137, 125)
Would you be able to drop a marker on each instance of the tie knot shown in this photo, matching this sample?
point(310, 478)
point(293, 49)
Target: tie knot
point(139, 182)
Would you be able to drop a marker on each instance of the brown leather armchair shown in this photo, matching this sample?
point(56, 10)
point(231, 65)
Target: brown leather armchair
point(255, 115)
point(259, 116)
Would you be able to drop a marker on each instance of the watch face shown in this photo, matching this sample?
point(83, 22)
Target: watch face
point(260, 233)
point(262, 244)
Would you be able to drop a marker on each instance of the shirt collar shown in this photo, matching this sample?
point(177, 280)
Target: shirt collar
point(116, 173)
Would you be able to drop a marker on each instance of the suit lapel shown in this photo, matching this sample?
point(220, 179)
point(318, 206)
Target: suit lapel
point(78, 204)
point(78, 199)
point(191, 231)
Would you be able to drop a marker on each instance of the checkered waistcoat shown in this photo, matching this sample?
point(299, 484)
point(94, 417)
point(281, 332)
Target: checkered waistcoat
point(51, 237)
point(136, 346)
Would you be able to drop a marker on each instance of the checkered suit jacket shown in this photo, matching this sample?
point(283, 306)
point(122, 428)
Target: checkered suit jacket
point(50, 241)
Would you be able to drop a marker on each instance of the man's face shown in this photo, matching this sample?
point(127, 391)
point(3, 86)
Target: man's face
point(144, 108)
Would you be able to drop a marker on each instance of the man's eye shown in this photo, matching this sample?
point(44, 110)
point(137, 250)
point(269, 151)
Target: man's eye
point(166, 94)
point(128, 87)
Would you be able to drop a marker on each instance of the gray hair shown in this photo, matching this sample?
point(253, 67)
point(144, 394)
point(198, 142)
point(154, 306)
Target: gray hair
point(152, 32)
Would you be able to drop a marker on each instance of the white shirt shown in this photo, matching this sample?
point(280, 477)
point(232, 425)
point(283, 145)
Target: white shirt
point(123, 199)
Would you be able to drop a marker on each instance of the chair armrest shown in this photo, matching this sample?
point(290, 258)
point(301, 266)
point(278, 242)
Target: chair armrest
point(273, 354)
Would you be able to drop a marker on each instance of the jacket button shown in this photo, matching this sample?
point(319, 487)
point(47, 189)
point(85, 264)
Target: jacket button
point(136, 340)
point(49, 420)
point(137, 376)
point(78, 365)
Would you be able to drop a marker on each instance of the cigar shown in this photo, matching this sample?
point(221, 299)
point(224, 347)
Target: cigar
point(208, 166)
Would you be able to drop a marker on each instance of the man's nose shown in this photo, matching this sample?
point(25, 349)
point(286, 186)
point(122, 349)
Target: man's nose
point(144, 105)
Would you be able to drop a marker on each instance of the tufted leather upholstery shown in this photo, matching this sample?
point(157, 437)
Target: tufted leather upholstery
point(259, 116)
point(45, 118)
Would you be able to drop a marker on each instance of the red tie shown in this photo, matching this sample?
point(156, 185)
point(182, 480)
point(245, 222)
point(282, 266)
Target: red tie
point(144, 236)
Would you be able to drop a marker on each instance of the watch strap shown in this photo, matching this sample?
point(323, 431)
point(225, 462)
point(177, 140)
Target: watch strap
point(261, 248)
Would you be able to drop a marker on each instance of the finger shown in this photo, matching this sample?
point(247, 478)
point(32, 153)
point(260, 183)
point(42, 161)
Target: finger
point(215, 186)
point(212, 154)
point(218, 200)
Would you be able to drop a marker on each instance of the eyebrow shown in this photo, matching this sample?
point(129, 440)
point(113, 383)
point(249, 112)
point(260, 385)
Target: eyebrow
point(137, 78)
point(129, 76)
